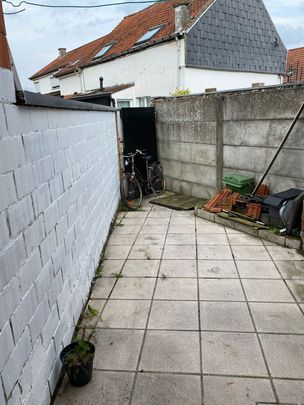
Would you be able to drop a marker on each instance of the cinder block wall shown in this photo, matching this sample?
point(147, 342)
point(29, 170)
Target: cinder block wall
point(203, 137)
point(59, 190)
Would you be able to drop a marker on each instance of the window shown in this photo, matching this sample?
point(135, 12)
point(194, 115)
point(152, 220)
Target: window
point(123, 104)
point(144, 101)
point(54, 82)
point(37, 87)
point(103, 51)
point(149, 34)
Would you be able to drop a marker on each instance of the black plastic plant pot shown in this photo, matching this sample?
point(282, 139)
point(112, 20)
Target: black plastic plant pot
point(79, 374)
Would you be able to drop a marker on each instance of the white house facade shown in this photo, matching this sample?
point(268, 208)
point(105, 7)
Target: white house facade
point(195, 46)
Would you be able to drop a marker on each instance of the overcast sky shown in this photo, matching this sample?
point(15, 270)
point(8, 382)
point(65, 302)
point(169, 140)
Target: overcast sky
point(35, 34)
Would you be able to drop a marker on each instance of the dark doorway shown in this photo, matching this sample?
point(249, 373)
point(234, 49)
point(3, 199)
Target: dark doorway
point(139, 132)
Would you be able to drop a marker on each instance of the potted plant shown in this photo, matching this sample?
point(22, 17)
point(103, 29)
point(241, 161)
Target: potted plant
point(77, 359)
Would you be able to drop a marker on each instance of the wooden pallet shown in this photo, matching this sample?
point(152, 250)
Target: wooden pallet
point(178, 202)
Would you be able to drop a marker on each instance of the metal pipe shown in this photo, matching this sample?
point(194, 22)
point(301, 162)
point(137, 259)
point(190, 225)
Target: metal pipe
point(279, 149)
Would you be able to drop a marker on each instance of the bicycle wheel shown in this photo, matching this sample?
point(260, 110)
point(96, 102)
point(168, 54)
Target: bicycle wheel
point(156, 178)
point(131, 192)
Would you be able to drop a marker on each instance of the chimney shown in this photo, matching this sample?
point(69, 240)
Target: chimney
point(182, 16)
point(62, 51)
point(101, 83)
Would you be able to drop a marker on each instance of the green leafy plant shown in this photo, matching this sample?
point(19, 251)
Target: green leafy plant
point(91, 312)
point(117, 275)
point(80, 353)
point(179, 92)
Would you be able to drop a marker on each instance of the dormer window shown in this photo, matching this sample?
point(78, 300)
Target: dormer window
point(149, 34)
point(104, 50)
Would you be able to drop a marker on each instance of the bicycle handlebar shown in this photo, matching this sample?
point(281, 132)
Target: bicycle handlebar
point(137, 152)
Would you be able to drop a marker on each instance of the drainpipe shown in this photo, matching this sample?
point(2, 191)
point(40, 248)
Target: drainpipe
point(178, 56)
point(4, 49)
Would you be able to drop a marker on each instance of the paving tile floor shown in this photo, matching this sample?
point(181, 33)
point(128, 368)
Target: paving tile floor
point(202, 315)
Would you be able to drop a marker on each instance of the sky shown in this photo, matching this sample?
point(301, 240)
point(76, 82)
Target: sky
point(35, 34)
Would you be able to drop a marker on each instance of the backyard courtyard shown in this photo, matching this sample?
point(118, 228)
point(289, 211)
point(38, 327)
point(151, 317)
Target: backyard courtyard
point(194, 313)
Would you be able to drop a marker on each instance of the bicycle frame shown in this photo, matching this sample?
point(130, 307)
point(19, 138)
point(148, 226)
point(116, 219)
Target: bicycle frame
point(135, 172)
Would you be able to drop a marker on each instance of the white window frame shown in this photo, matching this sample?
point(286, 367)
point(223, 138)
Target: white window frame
point(55, 84)
point(124, 100)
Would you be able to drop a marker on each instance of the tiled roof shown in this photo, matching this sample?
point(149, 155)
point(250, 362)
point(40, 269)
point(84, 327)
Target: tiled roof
point(295, 65)
point(125, 35)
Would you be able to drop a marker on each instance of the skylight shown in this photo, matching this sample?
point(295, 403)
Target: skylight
point(103, 51)
point(149, 34)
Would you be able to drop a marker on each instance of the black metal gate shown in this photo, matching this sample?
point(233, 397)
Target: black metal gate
point(139, 132)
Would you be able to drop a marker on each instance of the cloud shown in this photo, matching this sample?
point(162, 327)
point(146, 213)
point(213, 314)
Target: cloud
point(35, 35)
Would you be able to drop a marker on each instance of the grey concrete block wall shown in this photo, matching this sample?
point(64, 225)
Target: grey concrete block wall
point(186, 134)
point(230, 132)
point(59, 191)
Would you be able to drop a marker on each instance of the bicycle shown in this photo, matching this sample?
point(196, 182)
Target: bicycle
point(133, 183)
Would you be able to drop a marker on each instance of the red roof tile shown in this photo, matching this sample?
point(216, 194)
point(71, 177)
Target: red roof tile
point(295, 65)
point(125, 35)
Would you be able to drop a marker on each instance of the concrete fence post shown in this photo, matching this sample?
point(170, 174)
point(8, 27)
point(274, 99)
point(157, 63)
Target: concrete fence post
point(4, 50)
point(219, 141)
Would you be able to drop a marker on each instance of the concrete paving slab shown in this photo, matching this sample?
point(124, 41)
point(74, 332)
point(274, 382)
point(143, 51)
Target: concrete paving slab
point(126, 230)
point(106, 387)
point(182, 220)
point(136, 214)
point(88, 320)
point(150, 239)
point(147, 252)
point(257, 269)
point(267, 290)
point(220, 290)
point(297, 288)
point(212, 239)
point(214, 252)
point(110, 267)
point(141, 268)
point(175, 315)
point(181, 229)
point(156, 221)
point(117, 252)
point(217, 269)
point(169, 389)
point(283, 355)
point(178, 268)
point(151, 229)
point(102, 288)
point(179, 252)
point(244, 240)
point(171, 352)
point(290, 391)
point(160, 214)
point(176, 289)
point(125, 314)
point(133, 221)
point(226, 316)
point(281, 253)
point(236, 391)
point(118, 240)
point(209, 228)
point(277, 318)
point(291, 269)
point(232, 353)
point(134, 288)
point(180, 239)
point(117, 349)
point(250, 253)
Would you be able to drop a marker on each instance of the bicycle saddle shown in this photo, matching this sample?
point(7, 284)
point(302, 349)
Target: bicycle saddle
point(147, 157)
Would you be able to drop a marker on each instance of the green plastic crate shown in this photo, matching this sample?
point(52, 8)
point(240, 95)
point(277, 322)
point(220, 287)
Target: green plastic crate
point(239, 183)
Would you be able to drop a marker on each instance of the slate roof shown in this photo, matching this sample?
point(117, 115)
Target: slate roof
point(295, 65)
point(125, 35)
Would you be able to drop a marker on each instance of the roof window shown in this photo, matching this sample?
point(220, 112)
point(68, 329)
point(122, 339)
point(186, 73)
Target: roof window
point(149, 34)
point(103, 51)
